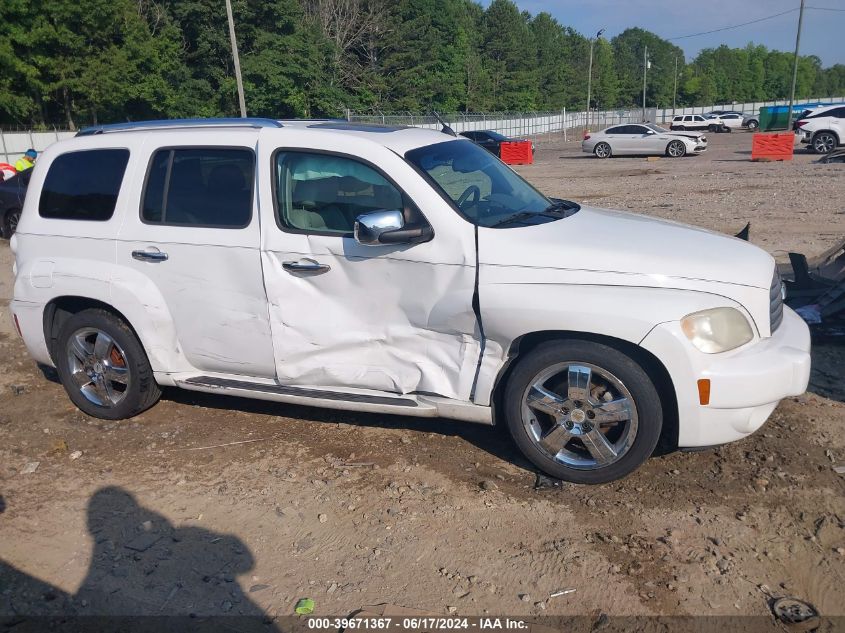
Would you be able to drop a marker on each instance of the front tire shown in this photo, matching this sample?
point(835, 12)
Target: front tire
point(602, 150)
point(825, 142)
point(753, 125)
point(582, 411)
point(103, 366)
point(676, 149)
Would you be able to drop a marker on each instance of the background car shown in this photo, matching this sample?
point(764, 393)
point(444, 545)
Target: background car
point(695, 122)
point(823, 129)
point(730, 120)
point(642, 139)
point(12, 194)
point(752, 122)
point(492, 141)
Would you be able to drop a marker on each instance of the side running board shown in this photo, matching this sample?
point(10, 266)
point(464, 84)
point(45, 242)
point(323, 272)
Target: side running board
point(316, 394)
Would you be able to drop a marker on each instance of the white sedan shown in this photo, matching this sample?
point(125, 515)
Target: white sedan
point(642, 139)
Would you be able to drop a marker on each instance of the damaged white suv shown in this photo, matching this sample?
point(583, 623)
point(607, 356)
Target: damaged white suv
point(392, 270)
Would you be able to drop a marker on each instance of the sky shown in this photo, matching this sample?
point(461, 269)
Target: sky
point(822, 34)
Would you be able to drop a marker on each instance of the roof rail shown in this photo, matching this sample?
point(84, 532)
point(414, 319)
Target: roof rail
point(177, 123)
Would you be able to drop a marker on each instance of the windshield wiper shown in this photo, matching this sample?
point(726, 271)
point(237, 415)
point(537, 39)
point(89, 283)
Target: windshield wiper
point(516, 217)
point(551, 211)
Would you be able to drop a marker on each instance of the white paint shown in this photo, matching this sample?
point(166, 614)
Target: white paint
point(393, 320)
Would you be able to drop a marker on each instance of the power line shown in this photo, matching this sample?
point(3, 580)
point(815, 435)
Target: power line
point(768, 17)
point(735, 26)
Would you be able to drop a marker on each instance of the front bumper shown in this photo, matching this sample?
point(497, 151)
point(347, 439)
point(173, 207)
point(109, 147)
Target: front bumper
point(745, 384)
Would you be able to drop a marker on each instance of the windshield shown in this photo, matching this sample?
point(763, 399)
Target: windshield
point(484, 189)
point(656, 128)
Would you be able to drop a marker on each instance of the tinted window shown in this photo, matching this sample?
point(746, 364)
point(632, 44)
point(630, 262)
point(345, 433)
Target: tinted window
point(619, 129)
point(469, 135)
point(199, 187)
point(322, 193)
point(83, 185)
point(688, 118)
point(637, 129)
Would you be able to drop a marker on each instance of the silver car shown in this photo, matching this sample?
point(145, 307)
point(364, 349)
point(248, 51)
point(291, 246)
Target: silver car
point(643, 139)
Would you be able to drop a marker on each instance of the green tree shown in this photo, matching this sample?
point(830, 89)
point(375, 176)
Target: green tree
point(510, 53)
point(628, 48)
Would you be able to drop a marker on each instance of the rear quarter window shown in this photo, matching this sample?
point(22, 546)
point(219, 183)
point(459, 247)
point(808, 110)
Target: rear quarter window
point(83, 185)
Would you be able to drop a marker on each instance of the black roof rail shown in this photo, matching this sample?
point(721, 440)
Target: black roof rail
point(178, 123)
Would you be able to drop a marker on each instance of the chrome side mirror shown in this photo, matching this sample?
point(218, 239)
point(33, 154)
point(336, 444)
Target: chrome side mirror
point(371, 227)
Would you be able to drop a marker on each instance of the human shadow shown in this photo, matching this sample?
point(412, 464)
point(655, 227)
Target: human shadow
point(144, 574)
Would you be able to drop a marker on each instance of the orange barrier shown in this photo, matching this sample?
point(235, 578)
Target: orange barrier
point(516, 153)
point(773, 146)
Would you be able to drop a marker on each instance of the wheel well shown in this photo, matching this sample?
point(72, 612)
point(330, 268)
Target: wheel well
point(60, 309)
point(838, 140)
point(648, 361)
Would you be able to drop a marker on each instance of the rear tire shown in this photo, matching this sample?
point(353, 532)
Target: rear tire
point(753, 125)
point(824, 142)
point(602, 150)
point(680, 127)
point(103, 366)
point(615, 385)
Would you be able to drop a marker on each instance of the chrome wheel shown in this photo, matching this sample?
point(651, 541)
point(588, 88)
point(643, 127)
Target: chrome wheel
point(580, 415)
point(98, 367)
point(824, 143)
point(676, 149)
point(602, 150)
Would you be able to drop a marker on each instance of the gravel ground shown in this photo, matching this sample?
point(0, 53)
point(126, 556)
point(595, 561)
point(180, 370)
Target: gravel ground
point(353, 509)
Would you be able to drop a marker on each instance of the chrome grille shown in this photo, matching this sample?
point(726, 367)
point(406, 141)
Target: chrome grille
point(775, 303)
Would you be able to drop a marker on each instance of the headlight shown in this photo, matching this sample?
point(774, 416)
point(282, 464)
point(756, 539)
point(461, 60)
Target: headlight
point(717, 330)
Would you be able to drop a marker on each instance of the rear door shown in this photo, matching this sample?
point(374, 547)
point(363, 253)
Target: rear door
point(195, 237)
point(386, 318)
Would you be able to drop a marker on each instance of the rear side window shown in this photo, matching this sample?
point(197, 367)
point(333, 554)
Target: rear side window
point(83, 185)
point(203, 186)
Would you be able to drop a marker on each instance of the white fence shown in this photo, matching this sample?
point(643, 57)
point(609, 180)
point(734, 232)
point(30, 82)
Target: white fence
point(14, 144)
point(515, 124)
point(534, 124)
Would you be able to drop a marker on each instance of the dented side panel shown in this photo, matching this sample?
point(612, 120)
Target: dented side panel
point(393, 318)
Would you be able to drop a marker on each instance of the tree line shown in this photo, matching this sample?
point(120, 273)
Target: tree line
point(71, 63)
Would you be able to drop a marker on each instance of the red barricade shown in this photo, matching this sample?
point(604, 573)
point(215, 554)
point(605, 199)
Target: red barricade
point(516, 153)
point(772, 146)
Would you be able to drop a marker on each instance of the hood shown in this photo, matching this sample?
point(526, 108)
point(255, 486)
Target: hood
point(688, 134)
point(660, 253)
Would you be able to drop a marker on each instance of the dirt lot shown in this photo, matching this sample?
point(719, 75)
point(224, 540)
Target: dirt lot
point(356, 509)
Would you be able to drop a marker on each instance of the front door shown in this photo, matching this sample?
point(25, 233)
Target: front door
point(387, 318)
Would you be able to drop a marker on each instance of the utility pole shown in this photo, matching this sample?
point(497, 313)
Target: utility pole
point(675, 93)
point(235, 57)
point(590, 78)
point(645, 74)
point(795, 66)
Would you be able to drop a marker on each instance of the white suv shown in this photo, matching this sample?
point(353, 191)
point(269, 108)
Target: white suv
point(823, 129)
point(392, 270)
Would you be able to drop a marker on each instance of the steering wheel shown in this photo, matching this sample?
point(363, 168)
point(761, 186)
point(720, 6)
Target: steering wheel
point(473, 191)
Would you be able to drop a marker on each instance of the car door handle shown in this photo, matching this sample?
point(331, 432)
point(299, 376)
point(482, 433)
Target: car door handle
point(149, 256)
point(306, 266)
